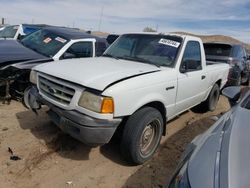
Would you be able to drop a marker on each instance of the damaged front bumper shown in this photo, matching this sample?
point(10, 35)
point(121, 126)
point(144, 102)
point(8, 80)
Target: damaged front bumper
point(89, 130)
point(13, 82)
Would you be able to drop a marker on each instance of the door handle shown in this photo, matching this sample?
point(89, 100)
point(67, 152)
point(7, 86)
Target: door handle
point(203, 77)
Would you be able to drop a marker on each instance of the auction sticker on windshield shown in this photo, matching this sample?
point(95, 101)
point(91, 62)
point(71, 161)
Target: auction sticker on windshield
point(169, 43)
point(60, 39)
point(47, 40)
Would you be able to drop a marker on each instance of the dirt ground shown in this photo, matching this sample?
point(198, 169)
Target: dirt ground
point(50, 158)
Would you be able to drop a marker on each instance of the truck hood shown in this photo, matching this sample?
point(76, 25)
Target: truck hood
point(12, 51)
point(97, 73)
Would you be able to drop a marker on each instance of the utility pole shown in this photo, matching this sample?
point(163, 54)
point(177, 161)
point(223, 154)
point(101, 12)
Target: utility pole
point(100, 21)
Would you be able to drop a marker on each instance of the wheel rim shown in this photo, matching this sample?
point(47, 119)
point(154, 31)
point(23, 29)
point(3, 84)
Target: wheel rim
point(150, 138)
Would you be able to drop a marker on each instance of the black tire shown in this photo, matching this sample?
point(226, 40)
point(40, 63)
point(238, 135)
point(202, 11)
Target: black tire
point(213, 98)
point(137, 145)
point(210, 103)
point(25, 97)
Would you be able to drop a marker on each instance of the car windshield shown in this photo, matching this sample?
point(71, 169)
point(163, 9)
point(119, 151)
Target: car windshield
point(9, 32)
point(217, 49)
point(44, 42)
point(159, 50)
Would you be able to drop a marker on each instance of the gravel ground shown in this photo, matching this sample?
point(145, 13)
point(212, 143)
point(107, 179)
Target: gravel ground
point(50, 158)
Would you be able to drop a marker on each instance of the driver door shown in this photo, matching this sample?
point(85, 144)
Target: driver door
point(191, 78)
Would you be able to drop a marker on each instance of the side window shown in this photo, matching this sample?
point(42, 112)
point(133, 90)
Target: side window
point(191, 60)
point(78, 50)
point(240, 53)
point(100, 48)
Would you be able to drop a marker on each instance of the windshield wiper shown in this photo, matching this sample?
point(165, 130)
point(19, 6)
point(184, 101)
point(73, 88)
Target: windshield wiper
point(109, 55)
point(141, 60)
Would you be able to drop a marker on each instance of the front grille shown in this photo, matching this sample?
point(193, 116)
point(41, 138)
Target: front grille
point(55, 90)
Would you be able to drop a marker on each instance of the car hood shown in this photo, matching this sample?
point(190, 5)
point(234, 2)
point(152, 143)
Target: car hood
point(239, 153)
point(12, 51)
point(96, 73)
point(228, 137)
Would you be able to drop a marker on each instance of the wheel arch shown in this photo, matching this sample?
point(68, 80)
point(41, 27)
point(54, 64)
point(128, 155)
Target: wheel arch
point(161, 108)
point(219, 83)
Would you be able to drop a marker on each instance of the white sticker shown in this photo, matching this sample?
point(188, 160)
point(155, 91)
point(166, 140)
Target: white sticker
point(60, 39)
point(47, 40)
point(169, 43)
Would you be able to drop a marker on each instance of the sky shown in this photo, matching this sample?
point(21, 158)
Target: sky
point(226, 17)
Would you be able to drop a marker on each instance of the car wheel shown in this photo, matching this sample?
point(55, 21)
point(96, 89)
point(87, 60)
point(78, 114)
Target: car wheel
point(26, 97)
point(141, 135)
point(210, 103)
point(213, 98)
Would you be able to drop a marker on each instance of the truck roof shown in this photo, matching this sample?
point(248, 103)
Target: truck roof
point(169, 34)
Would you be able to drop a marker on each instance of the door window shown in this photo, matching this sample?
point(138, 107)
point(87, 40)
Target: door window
point(78, 50)
point(192, 57)
point(100, 48)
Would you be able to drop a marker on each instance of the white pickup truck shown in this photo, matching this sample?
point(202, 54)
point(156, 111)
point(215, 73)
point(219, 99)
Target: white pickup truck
point(141, 82)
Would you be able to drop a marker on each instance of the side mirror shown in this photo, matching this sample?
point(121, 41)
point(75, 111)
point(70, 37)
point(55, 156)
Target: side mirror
point(232, 93)
point(68, 55)
point(183, 69)
point(189, 65)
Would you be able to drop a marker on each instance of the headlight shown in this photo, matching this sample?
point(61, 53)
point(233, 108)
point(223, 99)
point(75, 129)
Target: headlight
point(33, 77)
point(96, 103)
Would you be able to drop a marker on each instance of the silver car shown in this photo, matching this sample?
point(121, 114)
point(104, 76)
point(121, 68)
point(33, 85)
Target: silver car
point(219, 158)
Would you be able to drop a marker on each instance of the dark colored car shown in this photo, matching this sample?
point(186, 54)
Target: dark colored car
point(219, 158)
point(112, 38)
point(18, 32)
point(45, 45)
point(233, 54)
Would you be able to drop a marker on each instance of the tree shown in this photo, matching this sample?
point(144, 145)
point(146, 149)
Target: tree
point(149, 29)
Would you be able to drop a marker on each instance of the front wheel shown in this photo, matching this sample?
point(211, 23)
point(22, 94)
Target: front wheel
point(25, 99)
point(142, 134)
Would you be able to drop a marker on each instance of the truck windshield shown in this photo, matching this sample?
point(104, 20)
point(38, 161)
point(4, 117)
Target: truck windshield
point(44, 42)
point(9, 31)
point(159, 50)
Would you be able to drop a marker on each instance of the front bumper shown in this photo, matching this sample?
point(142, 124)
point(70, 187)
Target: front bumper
point(86, 129)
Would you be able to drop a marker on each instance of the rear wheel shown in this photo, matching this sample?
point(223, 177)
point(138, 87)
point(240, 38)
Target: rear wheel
point(211, 102)
point(142, 134)
point(213, 98)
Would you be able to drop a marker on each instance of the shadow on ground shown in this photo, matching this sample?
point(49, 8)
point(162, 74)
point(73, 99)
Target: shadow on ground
point(51, 136)
point(158, 171)
point(58, 142)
